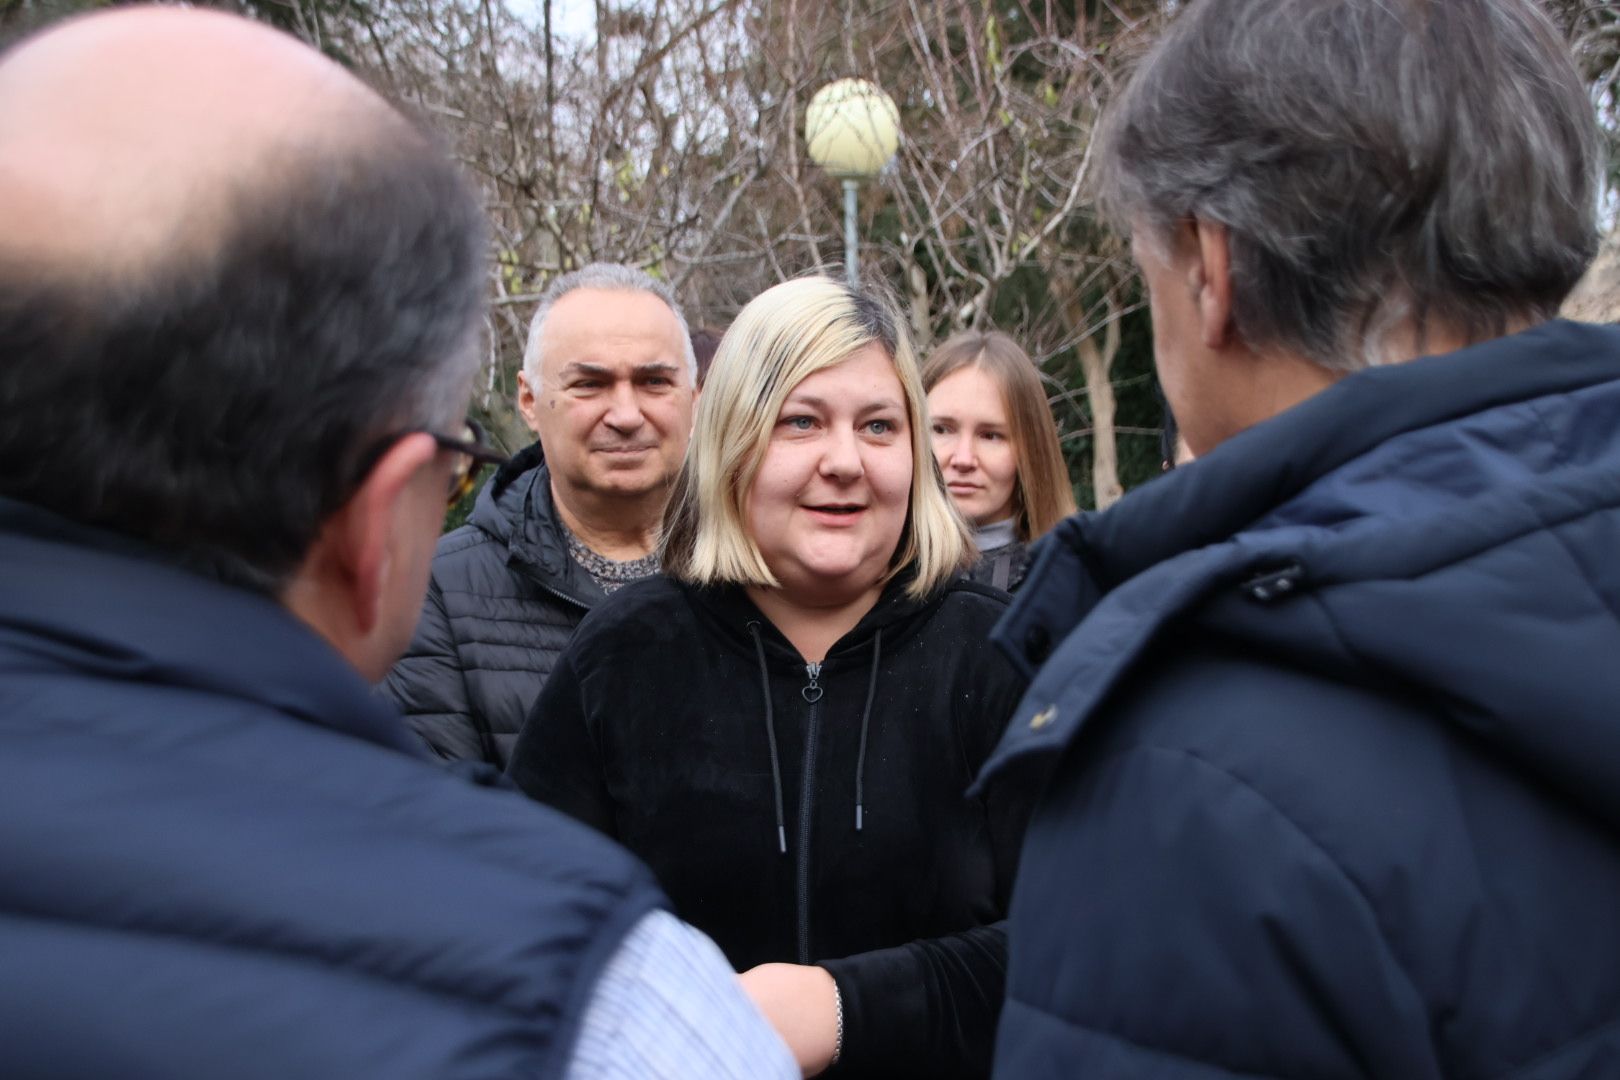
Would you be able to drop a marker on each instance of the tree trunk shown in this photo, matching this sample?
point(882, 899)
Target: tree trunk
point(922, 323)
point(1095, 362)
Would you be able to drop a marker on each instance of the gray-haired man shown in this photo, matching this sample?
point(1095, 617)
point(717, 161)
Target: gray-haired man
point(608, 385)
point(1330, 715)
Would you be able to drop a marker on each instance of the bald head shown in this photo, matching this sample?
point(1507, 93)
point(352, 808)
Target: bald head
point(227, 269)
point(125, 137)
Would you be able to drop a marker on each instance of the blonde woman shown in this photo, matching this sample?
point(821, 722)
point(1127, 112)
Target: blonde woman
point(784, 727)
point(998, 448)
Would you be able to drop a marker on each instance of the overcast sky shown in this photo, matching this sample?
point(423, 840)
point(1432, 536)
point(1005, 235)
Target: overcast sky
point(569, 18)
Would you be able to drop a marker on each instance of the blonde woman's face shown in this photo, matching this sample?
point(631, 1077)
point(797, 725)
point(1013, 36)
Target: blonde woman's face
point(828, 504)
point(972, 440)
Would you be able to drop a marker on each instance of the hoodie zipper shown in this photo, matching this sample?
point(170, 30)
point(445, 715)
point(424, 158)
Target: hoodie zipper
point(811, 692)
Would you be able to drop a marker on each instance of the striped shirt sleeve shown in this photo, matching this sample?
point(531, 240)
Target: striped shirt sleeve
point(668, 1005)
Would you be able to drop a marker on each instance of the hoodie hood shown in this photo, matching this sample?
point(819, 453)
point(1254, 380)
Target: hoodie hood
point(500, 503)
point(734, 616)
point(515, 508)
point(1444, 529)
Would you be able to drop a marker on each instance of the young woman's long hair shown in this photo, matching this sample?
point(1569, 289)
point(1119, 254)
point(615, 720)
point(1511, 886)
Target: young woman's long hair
point(784, 335)
point(1042, 494)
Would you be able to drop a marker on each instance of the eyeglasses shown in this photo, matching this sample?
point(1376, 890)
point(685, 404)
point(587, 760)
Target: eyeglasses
point(473, 453)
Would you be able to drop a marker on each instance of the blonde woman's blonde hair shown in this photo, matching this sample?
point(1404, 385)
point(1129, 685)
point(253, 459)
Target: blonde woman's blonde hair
point(782, 337)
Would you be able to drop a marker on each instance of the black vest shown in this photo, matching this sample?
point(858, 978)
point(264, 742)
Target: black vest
point(224, 855)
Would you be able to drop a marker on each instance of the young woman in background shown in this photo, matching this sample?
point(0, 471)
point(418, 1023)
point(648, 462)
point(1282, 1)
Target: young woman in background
point(998, 448)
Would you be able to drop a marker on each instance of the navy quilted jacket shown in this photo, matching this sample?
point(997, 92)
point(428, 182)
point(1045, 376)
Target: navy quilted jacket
point(1332, 722)
point(222, 856)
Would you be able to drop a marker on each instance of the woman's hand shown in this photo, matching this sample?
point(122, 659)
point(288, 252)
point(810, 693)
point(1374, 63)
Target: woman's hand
point(801, 1003)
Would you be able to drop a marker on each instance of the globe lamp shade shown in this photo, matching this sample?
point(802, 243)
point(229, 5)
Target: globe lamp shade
point(852, 128)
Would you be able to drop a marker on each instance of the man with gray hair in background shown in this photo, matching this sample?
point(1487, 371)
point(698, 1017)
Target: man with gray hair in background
point(1331, 717)
point(608, 386)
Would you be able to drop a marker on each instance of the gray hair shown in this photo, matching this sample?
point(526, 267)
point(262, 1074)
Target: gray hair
point(1374, 162)
point(612, 277)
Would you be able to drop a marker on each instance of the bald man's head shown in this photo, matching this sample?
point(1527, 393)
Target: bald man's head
point(226, 267)
point(125, 137)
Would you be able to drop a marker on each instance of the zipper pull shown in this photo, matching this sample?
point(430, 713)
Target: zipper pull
point(812, 692)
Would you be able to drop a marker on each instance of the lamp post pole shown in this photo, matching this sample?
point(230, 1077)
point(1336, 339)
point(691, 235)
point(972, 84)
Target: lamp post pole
point(852, 272)
point(853, 129)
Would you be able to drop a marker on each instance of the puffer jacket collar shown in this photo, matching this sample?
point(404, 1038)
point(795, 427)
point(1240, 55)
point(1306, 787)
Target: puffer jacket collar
point(516, 509)
point(1271, 513)
point(137, 635)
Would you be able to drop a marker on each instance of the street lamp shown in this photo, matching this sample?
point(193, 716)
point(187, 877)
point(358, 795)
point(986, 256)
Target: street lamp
point(853, 129)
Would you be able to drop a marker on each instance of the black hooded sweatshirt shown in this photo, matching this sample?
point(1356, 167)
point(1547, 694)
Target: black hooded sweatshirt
point(684, 725)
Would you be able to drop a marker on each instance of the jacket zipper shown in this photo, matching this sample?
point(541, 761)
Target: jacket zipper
point(811, 692)
point(576, 601)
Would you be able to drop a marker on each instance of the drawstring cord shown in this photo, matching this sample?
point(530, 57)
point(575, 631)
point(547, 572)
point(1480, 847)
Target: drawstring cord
point(866, 719)
point(770, 733)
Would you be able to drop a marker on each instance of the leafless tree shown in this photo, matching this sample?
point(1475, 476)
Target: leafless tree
point(671, 138)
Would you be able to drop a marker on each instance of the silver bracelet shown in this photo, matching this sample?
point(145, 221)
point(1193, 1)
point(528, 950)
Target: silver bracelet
point(838, 1040)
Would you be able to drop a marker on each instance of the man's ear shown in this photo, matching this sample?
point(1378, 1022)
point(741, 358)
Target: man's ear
point(362, 534)
point(528, 402)
point(1214, 287)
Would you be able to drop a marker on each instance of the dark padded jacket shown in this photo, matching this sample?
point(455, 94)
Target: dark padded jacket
point(503, 602)
point(223, 856)
point(806, 818)
point(1003, 567)
point(1335, 719)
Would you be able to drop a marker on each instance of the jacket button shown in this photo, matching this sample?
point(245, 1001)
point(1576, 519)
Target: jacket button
point(1037, 644)
point(1043, 718)
point(1275, 584)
